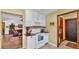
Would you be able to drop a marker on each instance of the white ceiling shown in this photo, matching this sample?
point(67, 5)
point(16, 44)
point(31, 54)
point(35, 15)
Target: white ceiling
point(45, 11)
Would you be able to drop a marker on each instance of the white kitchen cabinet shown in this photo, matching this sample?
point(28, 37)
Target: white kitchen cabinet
point(28, 18)
point(30, 42)
point(42, 20)
point(37, 20)
point(33, 41)
point(33, 18)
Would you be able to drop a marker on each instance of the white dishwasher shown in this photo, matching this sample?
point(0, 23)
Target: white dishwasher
point(30, 42)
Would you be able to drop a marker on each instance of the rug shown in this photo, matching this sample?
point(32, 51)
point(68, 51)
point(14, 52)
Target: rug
point(72, 45)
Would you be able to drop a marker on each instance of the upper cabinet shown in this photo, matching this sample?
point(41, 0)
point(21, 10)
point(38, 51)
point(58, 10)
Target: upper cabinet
point(33, 18)
point(42, 19)
point(28, 18)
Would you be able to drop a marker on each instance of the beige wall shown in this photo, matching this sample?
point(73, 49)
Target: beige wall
point(13, 11)
point(52, 30)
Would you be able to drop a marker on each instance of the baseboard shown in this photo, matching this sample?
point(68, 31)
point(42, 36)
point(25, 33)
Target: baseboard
point(52, 44)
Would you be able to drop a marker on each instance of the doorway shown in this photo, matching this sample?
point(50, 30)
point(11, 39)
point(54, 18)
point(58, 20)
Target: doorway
point(66, 27)
point(71, 29)
point(12, 31)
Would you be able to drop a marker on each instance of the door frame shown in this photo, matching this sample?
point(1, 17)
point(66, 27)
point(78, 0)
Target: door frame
point(22, 24)
point(3, 28)
point(77, 26)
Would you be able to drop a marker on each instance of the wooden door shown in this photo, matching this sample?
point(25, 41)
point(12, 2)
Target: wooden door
point(60, 30)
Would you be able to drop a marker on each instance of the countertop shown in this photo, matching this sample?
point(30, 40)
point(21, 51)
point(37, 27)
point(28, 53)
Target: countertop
point(37, 33)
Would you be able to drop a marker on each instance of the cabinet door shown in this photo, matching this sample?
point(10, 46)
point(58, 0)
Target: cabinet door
point(37, 19)
point(42, 20)
point(33, 42)
point(29, 18)
point(34, 18)
point(29, 44)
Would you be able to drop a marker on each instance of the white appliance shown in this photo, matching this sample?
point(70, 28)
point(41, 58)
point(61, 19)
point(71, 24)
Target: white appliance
point(41, 39)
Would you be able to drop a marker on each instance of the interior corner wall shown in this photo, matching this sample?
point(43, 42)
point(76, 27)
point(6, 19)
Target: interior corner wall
point(52, 30)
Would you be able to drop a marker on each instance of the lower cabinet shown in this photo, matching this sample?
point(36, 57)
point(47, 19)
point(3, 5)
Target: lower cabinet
point(30, 42)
